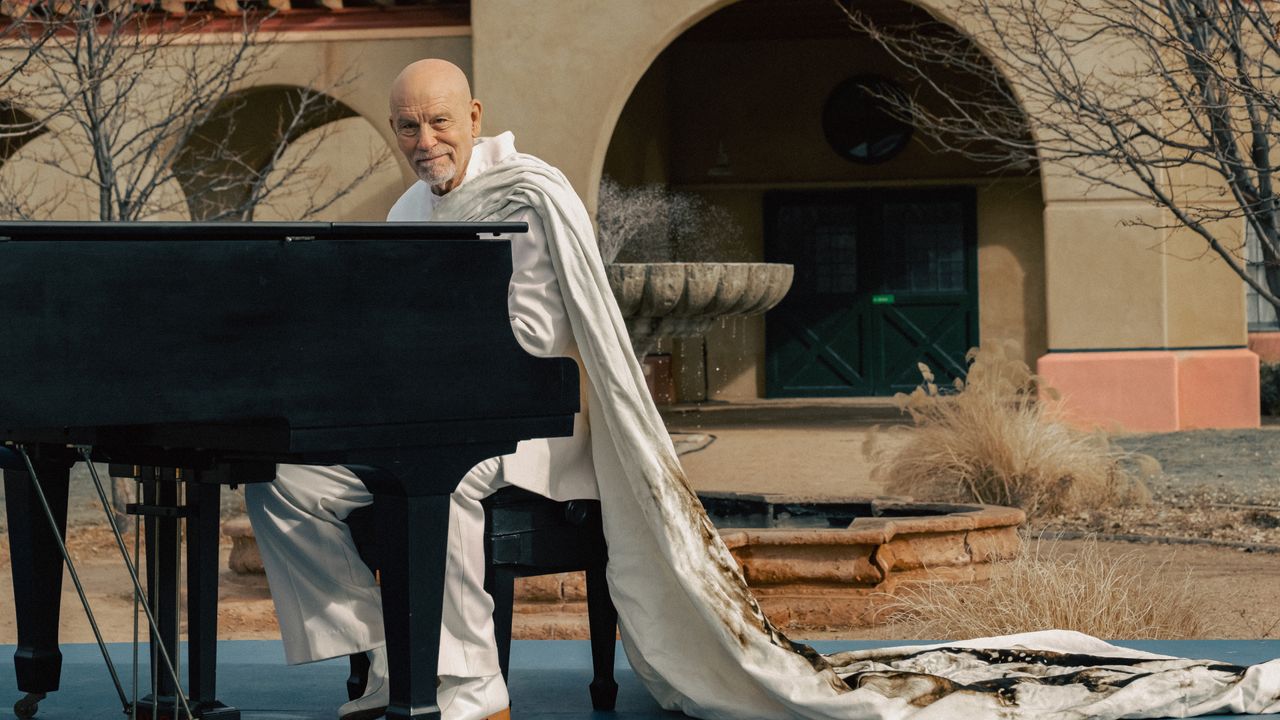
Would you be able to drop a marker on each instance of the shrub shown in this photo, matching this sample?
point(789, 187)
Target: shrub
point(994, 441)
point(650, 223)
point(1113, 597)
point(1269, 388)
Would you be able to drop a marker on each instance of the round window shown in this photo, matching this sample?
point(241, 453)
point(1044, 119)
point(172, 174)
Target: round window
point(858, 124)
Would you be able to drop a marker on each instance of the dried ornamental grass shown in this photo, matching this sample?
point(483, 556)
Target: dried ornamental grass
point(1115, 597)
point(994, 441)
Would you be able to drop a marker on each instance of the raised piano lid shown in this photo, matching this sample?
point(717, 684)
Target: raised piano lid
point(312, 335)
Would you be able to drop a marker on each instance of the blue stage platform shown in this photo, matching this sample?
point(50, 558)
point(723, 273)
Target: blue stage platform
point(548, 679)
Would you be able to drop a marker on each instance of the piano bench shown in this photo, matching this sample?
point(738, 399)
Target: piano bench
point(526, 535)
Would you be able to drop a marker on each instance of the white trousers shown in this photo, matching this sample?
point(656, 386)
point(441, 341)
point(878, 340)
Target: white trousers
point(325, 596)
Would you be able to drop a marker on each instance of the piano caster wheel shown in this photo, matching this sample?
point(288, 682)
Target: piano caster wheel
point(26, 707)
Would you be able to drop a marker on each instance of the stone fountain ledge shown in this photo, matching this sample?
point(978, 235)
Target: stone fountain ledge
point(809, 579)
point(702, 289)
point(819, 578)
point(804, 578)
point(683, 299)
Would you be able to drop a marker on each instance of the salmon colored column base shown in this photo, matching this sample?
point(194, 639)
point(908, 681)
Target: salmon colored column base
point(1156, 390)
point(1266, 345)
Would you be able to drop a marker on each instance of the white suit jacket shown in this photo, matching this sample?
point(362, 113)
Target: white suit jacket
point(559, 468)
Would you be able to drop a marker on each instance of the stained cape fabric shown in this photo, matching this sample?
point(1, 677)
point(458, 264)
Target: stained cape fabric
point(691, 629)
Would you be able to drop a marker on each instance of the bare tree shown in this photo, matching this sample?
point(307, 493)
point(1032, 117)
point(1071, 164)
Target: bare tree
point(151, 108)
point(1172, 101)
point(24, 37)
point(152, 102)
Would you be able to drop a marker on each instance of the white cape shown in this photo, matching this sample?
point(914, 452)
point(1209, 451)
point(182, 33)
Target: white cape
point(690, 627)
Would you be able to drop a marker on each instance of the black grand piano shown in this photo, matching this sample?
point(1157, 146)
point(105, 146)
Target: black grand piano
point(220, 350)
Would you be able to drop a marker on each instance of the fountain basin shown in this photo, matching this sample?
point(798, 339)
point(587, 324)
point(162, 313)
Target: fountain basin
point(683, 299)
point(814, 564)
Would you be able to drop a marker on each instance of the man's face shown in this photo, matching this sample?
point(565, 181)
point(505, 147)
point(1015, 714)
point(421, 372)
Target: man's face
point(435, 133)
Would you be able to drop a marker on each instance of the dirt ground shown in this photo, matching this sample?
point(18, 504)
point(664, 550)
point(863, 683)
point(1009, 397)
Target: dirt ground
point(1244, 585)
point(244, 609)
point(1215, 487)
point(1216, 512)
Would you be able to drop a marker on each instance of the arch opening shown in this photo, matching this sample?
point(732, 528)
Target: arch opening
point(17, 128)
point(913, 259)
point(227, 164)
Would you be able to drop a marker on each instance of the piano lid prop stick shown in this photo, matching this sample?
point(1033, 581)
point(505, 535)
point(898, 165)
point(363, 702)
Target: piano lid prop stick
point(180, 696)
point(75, 577)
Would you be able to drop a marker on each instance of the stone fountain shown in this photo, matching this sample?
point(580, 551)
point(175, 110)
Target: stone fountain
point(683, 299)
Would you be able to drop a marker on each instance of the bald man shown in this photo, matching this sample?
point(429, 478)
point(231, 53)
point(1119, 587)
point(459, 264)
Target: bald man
point(326, 599)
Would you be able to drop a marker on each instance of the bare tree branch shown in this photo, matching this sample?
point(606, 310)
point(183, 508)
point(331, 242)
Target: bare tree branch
point(156, 104)
point(1171, 101)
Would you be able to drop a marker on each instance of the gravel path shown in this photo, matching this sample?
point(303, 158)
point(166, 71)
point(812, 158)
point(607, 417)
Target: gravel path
point(1233, 466)
point(1216, 487)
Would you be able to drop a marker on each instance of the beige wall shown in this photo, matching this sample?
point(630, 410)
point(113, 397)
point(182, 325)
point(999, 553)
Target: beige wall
point(1105, 279)
point(1204, 297)
point(342, 151)
point(356, 67)
point(559, 73)
point(1114, 284)
point(1011, 265)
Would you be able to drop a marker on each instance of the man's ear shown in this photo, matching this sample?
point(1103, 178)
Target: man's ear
point(477, 110)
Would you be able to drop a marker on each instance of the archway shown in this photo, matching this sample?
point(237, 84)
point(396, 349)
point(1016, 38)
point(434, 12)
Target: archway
point(344, 165)
point(47, 173)
point(257, 147)
point(910, 259)
point(17, 128)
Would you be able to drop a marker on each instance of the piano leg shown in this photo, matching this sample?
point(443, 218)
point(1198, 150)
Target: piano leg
point(414, 535)
point(202, 600)
point(37, 570)
point(162, 511)
point(411, 499)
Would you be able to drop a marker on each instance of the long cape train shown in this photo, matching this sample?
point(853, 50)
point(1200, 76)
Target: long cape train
point(691, 629)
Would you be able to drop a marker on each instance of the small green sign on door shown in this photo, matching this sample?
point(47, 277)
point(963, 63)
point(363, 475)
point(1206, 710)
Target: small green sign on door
point(881, 299)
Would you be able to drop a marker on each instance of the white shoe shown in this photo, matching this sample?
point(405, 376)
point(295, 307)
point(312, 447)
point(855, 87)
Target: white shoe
point(465, 698)
point(377, 691)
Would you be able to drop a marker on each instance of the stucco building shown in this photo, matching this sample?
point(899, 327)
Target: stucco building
point(904, 255)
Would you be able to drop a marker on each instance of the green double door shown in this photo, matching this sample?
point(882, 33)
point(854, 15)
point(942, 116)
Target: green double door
point(884, 280)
